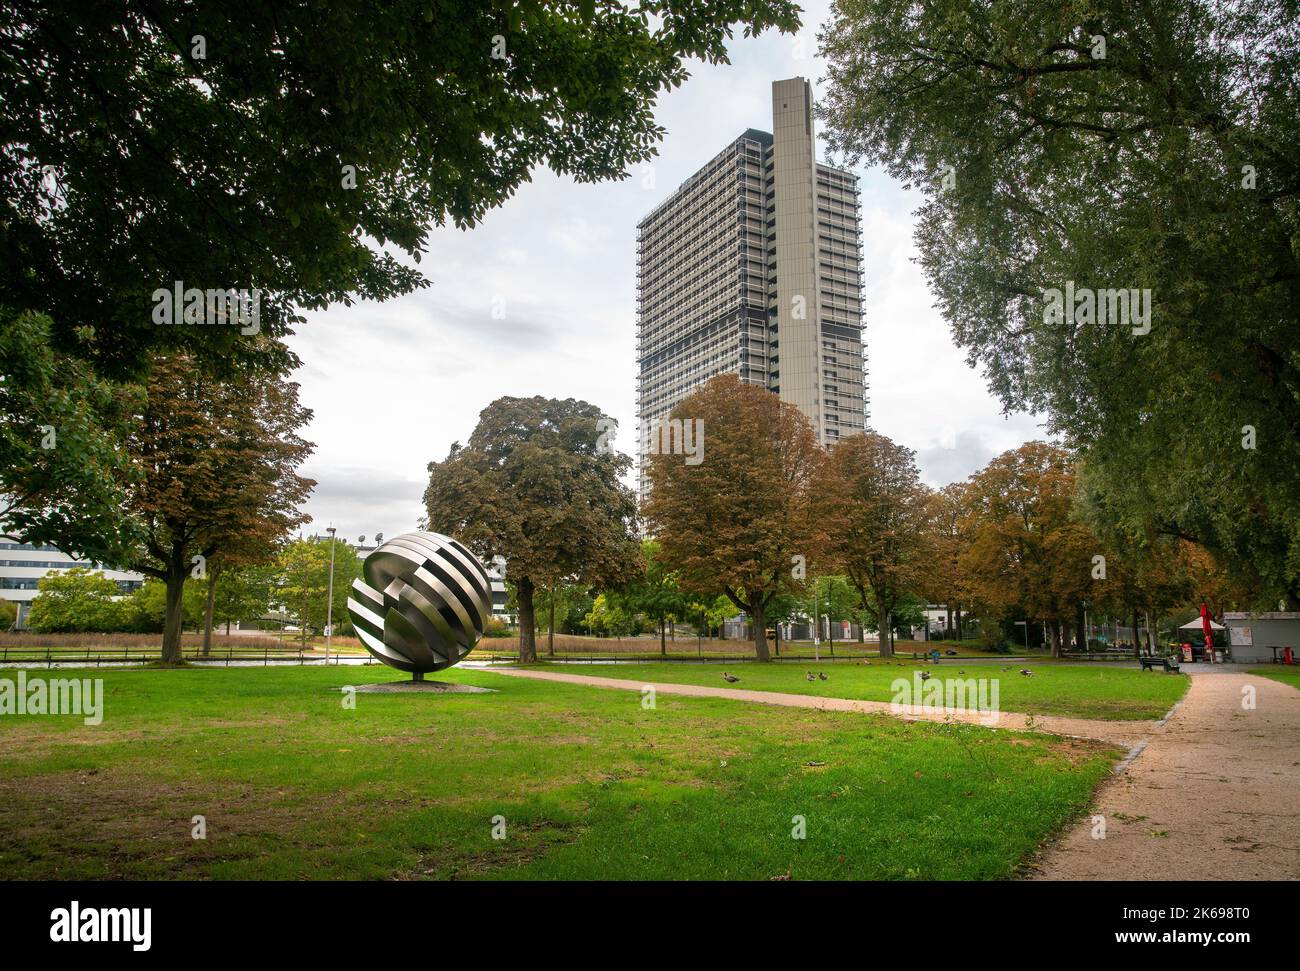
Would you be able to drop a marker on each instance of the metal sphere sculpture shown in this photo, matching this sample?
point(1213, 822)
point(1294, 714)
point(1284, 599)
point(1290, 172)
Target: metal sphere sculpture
point(422, 602)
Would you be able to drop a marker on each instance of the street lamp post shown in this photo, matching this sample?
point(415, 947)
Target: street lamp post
point(329, 603)
point(817, 627)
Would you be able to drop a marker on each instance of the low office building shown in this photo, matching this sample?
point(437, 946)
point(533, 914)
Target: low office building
point(23, 564)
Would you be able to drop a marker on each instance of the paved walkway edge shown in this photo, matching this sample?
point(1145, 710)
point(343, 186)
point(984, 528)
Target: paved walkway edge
point(1212, 797)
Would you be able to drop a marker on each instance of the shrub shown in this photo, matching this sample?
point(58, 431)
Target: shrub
point(495, 627)
point(76, 600)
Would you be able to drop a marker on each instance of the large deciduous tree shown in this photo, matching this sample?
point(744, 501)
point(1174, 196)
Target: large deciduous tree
point(300, 151)
point(538, 486)
point(1028, 551)
point(218, 460)
point(870, 506)
point(300, 148)
point(737, 520)
point(944, 581)
point(1144, 145)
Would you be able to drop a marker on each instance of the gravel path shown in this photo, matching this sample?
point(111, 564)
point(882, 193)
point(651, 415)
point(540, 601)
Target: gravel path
point(1124, 733)
point(1215, 795)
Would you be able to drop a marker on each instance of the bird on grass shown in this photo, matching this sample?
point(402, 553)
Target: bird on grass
point(925, 675)
point(729, 678)
point(822, 675)
point(808, 675)
point(1026, 672)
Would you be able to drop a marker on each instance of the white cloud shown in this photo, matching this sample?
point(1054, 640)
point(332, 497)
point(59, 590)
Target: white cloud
point(394, 384)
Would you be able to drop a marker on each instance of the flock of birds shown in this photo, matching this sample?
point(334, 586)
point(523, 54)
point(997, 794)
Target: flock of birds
point(730, 678)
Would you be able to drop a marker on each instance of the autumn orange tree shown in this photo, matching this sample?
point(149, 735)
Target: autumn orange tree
point(737, 521)
point(947, 522)
point(218, 461)
point(870, 508)
point(1027, 547)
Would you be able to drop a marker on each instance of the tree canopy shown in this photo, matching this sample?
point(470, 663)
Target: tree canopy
point(657, 593)
point(537, 486)
point(1028, 552)
point(64, 475)
point(871, 508)
point(301, 148)
point(1145, 146)
point(219, 462)
point(301, 582)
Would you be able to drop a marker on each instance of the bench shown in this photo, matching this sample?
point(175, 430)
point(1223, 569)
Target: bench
point(1150, 662)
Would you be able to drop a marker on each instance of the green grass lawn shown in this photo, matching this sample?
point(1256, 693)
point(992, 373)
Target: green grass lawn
point(590, 784)
point(1278, 672)
point(1053, 688)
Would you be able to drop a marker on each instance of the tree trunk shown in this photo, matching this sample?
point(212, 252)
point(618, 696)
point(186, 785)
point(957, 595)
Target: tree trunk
point(1054, 632)
point(1079, 628)
point(776, 641)
point(527, 621)
point(886, 637)
point(207, 612)
point(174, 615)
point(1137, 644)
point(550, 629)
point(663, 645)
point(959, 622)
point(760, 631)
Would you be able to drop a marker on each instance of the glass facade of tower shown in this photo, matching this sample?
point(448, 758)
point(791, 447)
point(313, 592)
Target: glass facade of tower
point(753, 266)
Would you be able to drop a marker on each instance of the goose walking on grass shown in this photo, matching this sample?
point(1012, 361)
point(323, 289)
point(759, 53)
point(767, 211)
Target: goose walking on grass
point(822, 676)
point(729, 678)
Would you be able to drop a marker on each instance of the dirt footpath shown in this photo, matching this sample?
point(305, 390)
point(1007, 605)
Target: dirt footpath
point(1125, 733)
point(1215, 795)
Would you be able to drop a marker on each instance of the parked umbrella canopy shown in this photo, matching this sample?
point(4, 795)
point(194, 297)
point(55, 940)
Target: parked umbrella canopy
point(1196, 625)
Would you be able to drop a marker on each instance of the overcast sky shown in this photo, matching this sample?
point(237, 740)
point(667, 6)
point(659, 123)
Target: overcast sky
point(392, 385)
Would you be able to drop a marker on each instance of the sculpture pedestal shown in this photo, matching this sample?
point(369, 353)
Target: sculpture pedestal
point(423, 687)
